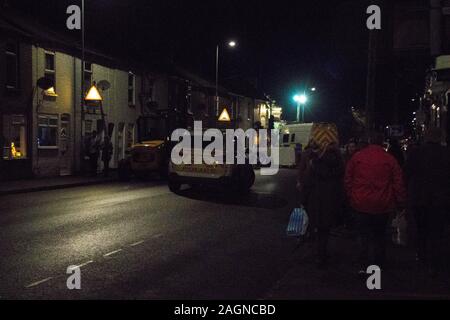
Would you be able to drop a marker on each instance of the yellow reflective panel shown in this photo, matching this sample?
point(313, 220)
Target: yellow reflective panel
point(225, 116)
point(93, 95)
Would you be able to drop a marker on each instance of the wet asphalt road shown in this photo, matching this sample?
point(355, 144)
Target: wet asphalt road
point(138, 240)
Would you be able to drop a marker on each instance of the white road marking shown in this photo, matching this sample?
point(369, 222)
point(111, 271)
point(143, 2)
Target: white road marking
point(85, 264)
point(159, 235)
point(34, 284)
point(112, 252)
point(137, 243)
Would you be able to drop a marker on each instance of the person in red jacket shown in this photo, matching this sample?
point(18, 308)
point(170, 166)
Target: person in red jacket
point(374, 185)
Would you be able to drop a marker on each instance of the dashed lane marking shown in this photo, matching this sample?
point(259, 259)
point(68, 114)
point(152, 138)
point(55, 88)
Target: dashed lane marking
point(34, 284)
point(137, 243)
point(85, 263)
point(111, 253)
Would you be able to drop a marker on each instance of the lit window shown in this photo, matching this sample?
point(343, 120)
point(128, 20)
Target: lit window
point(131, 86)
point(12, 66)
point(14, 137)
point(47, 131)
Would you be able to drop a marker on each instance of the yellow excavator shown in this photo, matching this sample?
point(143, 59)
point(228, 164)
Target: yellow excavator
point(150, 155)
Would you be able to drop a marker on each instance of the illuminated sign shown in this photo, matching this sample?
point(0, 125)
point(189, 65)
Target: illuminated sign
point(225, 116)
point(93, 95)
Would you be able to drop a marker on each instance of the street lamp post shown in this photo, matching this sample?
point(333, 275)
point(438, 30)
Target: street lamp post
point(231, 44)
point(217, 80)
point(93, 96)
point(82, 115)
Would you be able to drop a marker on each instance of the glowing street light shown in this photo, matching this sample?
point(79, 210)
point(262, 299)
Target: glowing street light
point(301, 100)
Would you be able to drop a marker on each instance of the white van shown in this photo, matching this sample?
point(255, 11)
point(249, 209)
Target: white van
point(293, 139)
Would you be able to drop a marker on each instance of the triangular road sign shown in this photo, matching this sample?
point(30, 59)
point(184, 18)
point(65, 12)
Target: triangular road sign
point(93, 95)
point(225, 116)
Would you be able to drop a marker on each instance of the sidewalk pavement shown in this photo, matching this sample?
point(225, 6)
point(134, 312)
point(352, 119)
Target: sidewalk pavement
point(41, 184)
point(403, 278)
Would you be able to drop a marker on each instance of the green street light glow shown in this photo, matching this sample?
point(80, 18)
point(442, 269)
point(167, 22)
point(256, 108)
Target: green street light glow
point(300, 98)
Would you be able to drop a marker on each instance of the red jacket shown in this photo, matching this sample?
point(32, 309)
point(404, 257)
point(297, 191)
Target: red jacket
point(374, 181)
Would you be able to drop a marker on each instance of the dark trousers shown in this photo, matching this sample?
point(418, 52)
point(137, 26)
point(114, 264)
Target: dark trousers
point(93, 160)
point(322, 244)
point(106, 167)
point(431, 222)
point(371, 234)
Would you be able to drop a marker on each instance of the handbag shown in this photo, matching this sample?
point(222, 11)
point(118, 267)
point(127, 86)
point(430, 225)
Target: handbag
point(298, 223)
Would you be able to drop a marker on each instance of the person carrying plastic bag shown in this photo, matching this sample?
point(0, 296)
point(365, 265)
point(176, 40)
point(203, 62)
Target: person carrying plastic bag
point(322, 196)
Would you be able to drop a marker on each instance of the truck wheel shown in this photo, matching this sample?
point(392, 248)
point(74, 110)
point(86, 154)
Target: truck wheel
point(174, 186)
point(245, 178)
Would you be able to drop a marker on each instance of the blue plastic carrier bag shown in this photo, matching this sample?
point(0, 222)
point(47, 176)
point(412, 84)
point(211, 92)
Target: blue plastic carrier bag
point(298, 223)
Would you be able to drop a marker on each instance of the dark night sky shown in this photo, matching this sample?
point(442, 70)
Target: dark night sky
point(288, 45)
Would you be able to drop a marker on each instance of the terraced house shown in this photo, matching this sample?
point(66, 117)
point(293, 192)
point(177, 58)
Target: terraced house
point(44, 129)
point(46, 122)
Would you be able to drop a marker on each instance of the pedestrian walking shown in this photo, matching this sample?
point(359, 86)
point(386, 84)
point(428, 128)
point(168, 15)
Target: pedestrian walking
point(347, 219)
point(350, 150)
point(428, 178)
point(375, 189)
point(362, 143)
point(107, 151)
point(94, 152)
point(322, 196)
point(310, 152)
point(396, 151)
point(2, 154)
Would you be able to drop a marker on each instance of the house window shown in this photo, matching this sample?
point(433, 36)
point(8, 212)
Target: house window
point(87, 76)
point(14, 142)
point(12, 66)
point(131, 86)
point(47, 131)
point(293, 138)
point(50, 70)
